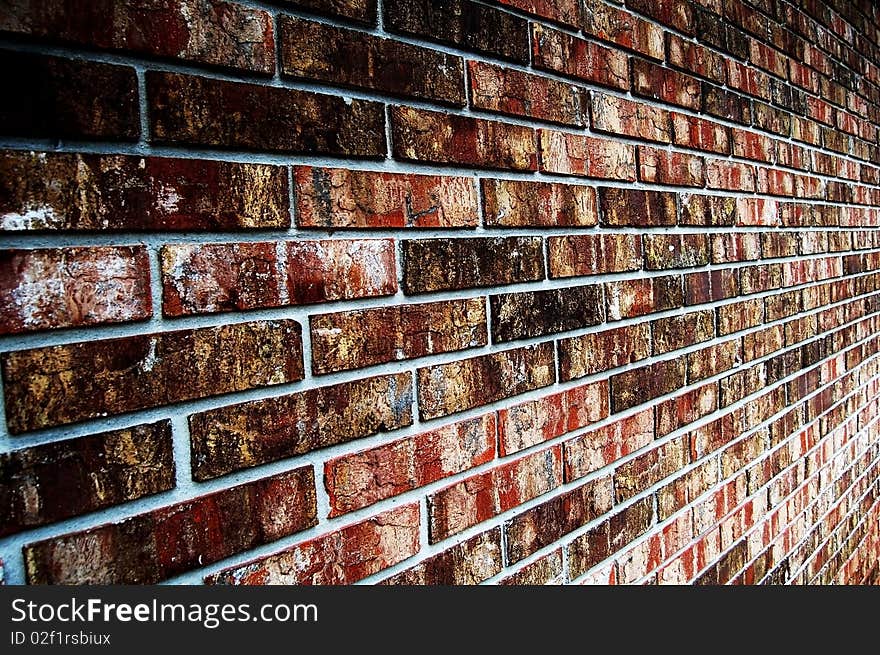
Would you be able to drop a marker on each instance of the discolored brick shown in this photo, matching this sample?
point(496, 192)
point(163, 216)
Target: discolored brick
point(630, 298)
point(240, 436)
point(714, 359)
point(575, 154)
point(686, 408)
point(359, 11)
point(699, 133)
point(567, 12)
point(558, 52)
point(664, 251)
point(598, 448)
point(521, 203)
point(603, 351)
point(623, 207)
point(685, 489)
point(669, 12)
point(647, 469)
point(622, 28)
point(672, 168)
point(702, 210)
point(729, 175)
point(546, 570)
point(539, 313)
point(593, 254)
point(695, 58)
point(740, 316)
point(619, 116)
point(641, 385)
point(467, 563)
point(674, 332)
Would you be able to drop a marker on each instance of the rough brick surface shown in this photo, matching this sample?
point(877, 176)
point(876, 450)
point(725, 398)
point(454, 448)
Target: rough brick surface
point(514, 203)
point(573, 57)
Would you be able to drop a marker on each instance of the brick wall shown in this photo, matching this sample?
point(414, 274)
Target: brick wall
point(411, 291)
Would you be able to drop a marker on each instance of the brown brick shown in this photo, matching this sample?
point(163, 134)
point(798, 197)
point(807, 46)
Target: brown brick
point(483, 496)
point(675, 251)
point(622, 28)
point(729, 175)
point(525, 203)
point(207, 278)
point(546, 570)
point(630, 523)
point(448, 388)
point(461, 23)
point(672, 168)
point(619, 116)
point(324, 53)
point(588, 550)
point(669, 12)
point(762, 343)
point(708, 286)
point(593, 254)
point(202, 31)
point(57, 385)
point(198, 111)
point(72, 287)
point(536, 421)
point(442, 264)
point(682, 330)
point(553, 519)
point(666, 85)
point(339, 198)
point(538, 313)
point(54, 481)
point(154, 546)
point(359, 11)
point(700, 133)
point(363, 337)
point(366, 477)
point(629, 298)
point(575, 154)
point(513, 92)
point(598, 448)
point(750, 145)
point(740, 316)
point(341, 557)
point(714, 359)
point(249, 434)
point(726, 104)
point(686, 408)
point(558, 52)
point(56, 98)
point(428, 136)
point(641, 385)
point(467, 563)
point(695, 58)
point(603, 351)
point(647, 469)
point(567, 12)
point(735, 247)
point(636, 208)
point(684, 490)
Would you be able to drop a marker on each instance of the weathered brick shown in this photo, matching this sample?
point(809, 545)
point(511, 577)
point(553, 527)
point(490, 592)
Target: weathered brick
point(57, 385)
point(536, 421)
point(448, 388)
point(685, 489)
point(525, 203)
point(212, 32)
point(635, 119)
point(359, 11)
point(360, 479)
point(59, 98)
point(467, 563)
point(54, 481)
point(714, 359)
point(750, 145)
point(598, 448)
point(672, 168)
point(240, 436)
point(324, 53)
point(735, 247)
point(441, 264)
point(767, 58)
point(575, 154)
point(682, 330)
point(771, 119)
point(546, 570)
point(359, 338)
point(756, 211)
point(71, 287)
point(154, 546)
point(341, 557)
point(603, 351)
point(427, 136)
point(686, 408)
point(483, 496)
point(740, 316)
point(622, 28)
point(593, 254)
point(198, 111)
point(588, 550)
point(513, 92)
point(638, 474)
point(629, 298)
point(558, 52)
point(669, 12)
point(747, 79)
point(62, 192)
point(704, 210)
point(666, 85)
point(641, 385)
point(709, 286)
point(636, 208)
point(209, 278)
point(694, 58)
point(700, 133)
point(729, 175)
point(551, 520)
point(539, 313)
point(461, 23)
point(675, 251)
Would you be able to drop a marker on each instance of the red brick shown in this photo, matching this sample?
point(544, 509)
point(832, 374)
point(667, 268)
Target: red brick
point(729, 175)
point(558, 52)
point(664, 251)
point(57, 98)
point(525, 203)
point(669, 12)
point(603, 351)
point(750, 145)
point(623, 207)
point(209, 278)
point(448, 388)
point(54, 481)
point(427, 136)
point(622, 28)
point(694, 58)
point(666, 85)
point(635, 119)
point(684, 490)
point(513, 92)
point(686, 408)
point(467, 563)
point(700, 133)
point(636, 475)
point(574, 154)
point(341, 557)
point(714, 359)
point(57, 385)
point(249, 434)
point(72, 287)
point(762, 343)
point(211, 32)
point(598, 448)
point(682, 330)
point(740, 316)
point(771, 119)
point(594, 254)
point(550, 311)
point(154, 546)
point(198, 111)
point(707, 210)
point(62, 192)
point(672, 168)
point(757, 279)
point(735, 247)
point(709, 286)
point(641, 385)
point(483, 496)
point(629, 298)
point(359, 11)
point(567, 12)
point(536, 421)
point(803, 129)
point(314, 51)
point(747, 79)
point(339, 198)
point(546, 570)
point(360, 479)
point(768, 59)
